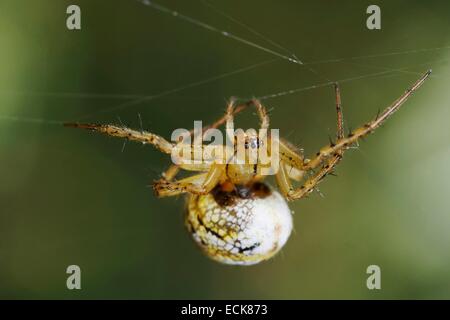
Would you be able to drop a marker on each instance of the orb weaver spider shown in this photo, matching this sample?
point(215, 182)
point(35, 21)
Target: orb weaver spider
point(232, 214)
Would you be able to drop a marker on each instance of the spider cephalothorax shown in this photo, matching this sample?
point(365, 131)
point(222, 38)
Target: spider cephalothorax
point(231, 213)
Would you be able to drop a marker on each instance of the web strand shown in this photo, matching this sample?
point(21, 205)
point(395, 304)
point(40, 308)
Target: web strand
point(30, 120)
point(320, 85)
point(317, 62)
point(292, 58)
point(247, 27)
point(287, 54)
point(177, 89)
point(75, 95)
point(394, 69)
point(390, 72)
point(377, 55)
point(211, 28)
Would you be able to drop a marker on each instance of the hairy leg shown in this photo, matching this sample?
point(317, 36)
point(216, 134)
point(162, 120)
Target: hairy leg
point(198, 184)
point(223, 119)
point(122, 132)
point(262, 113)
point(283, 180)
point(171, 172)
point(369, 127)
point(294, 173)
point(290, 154)
point(342, 142)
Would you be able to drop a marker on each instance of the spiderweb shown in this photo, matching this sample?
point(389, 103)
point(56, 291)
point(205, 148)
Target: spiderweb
point(275, 53)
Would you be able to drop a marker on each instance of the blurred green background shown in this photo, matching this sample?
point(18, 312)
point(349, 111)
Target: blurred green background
point(70, 197)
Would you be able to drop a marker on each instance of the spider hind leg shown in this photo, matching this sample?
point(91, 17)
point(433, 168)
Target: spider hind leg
point(369, 127)
point(334, 151)
point(291, 159)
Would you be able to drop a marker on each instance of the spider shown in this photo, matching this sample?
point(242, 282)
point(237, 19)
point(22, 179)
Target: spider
point(232, 214)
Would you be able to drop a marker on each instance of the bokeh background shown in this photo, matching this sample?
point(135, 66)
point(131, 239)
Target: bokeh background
point(71, 197)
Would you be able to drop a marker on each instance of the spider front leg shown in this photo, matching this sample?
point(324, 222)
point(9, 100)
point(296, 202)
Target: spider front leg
point(292, 162)
point(173, 170)
point(262, 114)
point(231, 111)
point(198, 184)
point(162, 186)
point(337, 157)
point(122, 132)
point(223, 119)
point(344, 142)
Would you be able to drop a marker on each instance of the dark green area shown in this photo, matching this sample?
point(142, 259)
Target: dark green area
point(70, 197)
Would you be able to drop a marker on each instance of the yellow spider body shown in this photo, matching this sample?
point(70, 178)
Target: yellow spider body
point(231, 214)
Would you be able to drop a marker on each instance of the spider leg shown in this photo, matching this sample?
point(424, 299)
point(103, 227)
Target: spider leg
point(293, 172)
point(262, 113)
point(337, 157)
point(283, 180)
point(174, 169)
point(290, 154)
point(203, 166)
point(229, 118)
point(198, 184)
point(223, 119)
point(310, 183)
point(290, 168)
point(147, 137)
point(345, 142)
point(122, 132)
point(337, 150)
point(171, 172)
point(166, 188)
point(340, 116)
point(235, 110)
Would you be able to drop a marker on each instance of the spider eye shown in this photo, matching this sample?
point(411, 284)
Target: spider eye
point(255, 143)
point(252, 143)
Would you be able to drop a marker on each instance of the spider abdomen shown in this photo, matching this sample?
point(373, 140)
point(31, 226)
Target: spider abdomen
point(242, 227)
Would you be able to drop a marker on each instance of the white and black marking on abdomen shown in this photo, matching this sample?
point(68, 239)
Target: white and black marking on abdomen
point(242, 227)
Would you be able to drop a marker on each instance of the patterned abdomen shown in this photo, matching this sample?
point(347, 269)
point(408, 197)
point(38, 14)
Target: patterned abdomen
point(243, 227)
